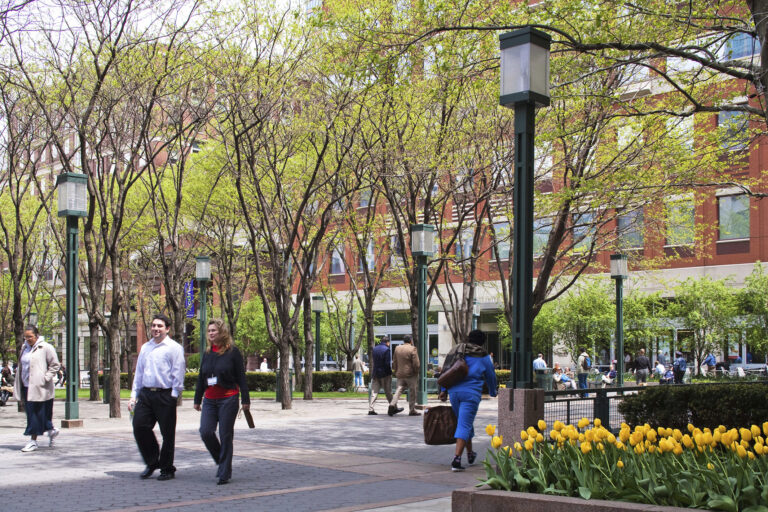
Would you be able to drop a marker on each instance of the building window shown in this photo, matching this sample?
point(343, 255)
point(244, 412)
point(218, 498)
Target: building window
point(464, 244)
point(680, 129)
point(681, 213)
point(337, 261)
point(365, 197)
point(369, 260)
point(733, 126)
point(502, 240)
point(541, 230)
point(733, 215)
point(630, 229)
point(583, 227)
point(741, 45)
point(397, 251)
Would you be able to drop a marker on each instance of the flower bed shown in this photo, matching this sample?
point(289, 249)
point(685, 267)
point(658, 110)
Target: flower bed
point(717, 469)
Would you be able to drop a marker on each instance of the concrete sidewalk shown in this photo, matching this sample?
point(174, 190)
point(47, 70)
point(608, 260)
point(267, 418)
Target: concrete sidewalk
point(321, 455)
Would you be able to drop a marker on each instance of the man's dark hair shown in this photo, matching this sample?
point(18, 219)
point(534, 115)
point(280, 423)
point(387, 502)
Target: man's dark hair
point(582, 349)
point(384, 339)
point(476, 337)
point(407, 339)
point(163, 318)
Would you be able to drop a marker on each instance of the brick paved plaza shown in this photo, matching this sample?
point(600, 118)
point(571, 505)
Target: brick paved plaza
point(322, 455)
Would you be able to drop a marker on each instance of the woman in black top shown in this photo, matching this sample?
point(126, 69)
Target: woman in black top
point(221, 379)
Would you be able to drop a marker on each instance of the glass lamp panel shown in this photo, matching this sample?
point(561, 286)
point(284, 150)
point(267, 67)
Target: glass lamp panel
point(203, 268)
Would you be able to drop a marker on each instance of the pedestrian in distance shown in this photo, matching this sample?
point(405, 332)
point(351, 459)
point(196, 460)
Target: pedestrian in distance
point(679, 367)
point(465, 395)
point(405, 365)
point(220, 383)
point(157, 386)
point(583, 365)
point(642, 368)
point(539, 363)
point(264, 366)
point(381, 373)
point(357, 367)
point(34, 386)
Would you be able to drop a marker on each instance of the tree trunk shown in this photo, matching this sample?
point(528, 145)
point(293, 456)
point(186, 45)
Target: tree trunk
point(285, 377)
point(93, 361)
point(114, 370)
point(309, 350)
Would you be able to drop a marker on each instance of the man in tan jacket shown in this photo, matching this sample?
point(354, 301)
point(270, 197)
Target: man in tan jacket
point(405, 365)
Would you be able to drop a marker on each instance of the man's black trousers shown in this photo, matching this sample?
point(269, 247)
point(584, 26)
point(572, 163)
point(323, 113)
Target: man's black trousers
point(155, 407)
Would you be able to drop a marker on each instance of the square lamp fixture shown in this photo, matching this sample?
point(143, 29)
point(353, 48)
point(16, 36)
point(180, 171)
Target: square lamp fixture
point(619, 266)
point(422, 239)
point(73, 194)
point(203, 268)
point(318, 303)
point(524, 67)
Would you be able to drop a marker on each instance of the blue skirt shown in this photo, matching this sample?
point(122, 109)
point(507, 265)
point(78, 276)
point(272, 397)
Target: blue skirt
point(39, 415)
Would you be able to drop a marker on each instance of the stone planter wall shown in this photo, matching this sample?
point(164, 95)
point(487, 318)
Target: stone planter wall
point(482, 499)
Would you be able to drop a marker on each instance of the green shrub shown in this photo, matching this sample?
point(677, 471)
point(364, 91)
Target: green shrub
point(193, 361)
point(704, 405)
point(331, 381)
point(502, 376)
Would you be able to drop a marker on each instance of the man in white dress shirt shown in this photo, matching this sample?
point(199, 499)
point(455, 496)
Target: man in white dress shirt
point(157, 385)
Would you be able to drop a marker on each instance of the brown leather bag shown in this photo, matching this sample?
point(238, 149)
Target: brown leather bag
point(456, 373)
point(439, 425)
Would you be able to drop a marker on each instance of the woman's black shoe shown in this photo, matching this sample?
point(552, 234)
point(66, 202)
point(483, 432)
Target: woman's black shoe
point(222, 481)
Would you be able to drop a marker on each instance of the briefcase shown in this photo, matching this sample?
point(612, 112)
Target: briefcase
point(439, 425)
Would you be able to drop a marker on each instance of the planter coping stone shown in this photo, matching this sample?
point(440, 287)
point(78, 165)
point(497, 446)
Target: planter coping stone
point(483, 499)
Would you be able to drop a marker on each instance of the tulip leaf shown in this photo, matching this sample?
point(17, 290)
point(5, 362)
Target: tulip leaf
point(756, 508)
point(585, 492)
point(720, 502)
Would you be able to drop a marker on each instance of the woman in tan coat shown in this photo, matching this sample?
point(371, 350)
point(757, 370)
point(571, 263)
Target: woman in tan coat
point(38, 366)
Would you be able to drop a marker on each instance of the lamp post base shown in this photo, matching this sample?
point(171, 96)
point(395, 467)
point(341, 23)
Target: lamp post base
point(71, 423)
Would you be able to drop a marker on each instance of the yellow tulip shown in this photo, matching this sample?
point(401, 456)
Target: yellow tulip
point(610, 438)
point(651, 435)
point(624, 435)
point(586, 447)
point(600, 446)
point(765, 429)
point(710, 466)
point(751, 455)
point(496, 441)
point(542, 425)
point(523, 435)
point(687, 441)
point(589, 435)
point(690, 428)
point(677, 450)
point(746, 434)
point(718, 436)
point(518, 447)
point(583, 422)
point(490, 430)
point(620, 446)
point(652, 448)
point(597, 422)
point(741, 451)
point(539, 438)
point(620, 464)
point(529, 445)
point(558, 425)
point(531, 431)
point(755, 431)
point(677, 434)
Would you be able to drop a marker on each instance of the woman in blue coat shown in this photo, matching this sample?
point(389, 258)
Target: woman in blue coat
point(465, 396)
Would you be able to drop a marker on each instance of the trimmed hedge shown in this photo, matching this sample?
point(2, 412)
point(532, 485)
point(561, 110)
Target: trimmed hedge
point(265, 381)
point(703, 405)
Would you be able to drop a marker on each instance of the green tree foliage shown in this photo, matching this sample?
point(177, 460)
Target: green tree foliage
point(708, 307)
point(753, 301)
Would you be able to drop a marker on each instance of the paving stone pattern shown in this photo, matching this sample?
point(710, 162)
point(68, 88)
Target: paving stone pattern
point(322, 457)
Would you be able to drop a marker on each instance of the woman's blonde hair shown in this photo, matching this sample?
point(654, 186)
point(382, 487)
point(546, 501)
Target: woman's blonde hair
point(223, 340)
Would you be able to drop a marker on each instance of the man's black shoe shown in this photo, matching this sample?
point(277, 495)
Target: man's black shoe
point(148, 472)
point(372, 413)
point(414, 413)
point(395, 410)
point(167, 476)
point(222, 481)
point(391, 410)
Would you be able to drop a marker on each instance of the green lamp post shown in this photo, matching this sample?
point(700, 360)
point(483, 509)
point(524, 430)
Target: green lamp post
point(524, 87)
point(619, 272)
point(422, 247)
point(203, 277)
point(73, 203)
